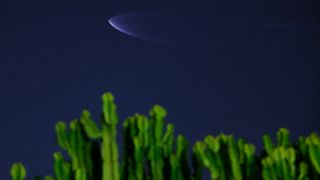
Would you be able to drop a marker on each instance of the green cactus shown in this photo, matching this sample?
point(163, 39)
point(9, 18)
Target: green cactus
point(138, 158)
point(267, 141)
point(302, 146)
point(167, 141)
point(182, 155)
point(217, 170)
point(283, 137)
point(197, 162)
point(156, 161)
point(62, 169)
point(241, 142)
point(303, 169)
point(155, 154)
point(76, 148)
point(80, 174)
point(176, 173)
point(143, 127)
point(62, 135)
point(313, 143)
point(89, 125)
point(157, 115)
point(269, 169)
point(234, 158)
point(18, 171)
point(109, 151)
point(151, 152)
point(249, 151)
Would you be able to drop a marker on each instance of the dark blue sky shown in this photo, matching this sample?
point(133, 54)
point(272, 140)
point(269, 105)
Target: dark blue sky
point(257, 72)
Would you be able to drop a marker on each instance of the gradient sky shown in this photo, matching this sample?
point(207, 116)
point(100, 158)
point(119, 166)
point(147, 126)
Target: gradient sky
point(57, 58)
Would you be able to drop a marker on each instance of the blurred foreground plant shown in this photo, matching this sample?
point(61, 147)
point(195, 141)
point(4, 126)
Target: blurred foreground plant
point(152, 153)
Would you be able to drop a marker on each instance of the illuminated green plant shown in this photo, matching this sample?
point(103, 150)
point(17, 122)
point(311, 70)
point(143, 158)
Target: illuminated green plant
point(18, 171)
point(151, 151)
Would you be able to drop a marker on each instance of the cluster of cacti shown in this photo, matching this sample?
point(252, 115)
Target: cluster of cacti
point(149, 153)
point(152, 152)
point(83, 143)
point(226, 158)
point(300, 160)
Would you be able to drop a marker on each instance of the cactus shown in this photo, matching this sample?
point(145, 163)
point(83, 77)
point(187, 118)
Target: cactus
point(268, 171)
point(80, 174)
point(249, 151)
point(234, 158)
point(136, 137)
point(152, 152)
point(267, 141)
point(155, 154)
point(197, 162)
point(89, 125)
point(283, 137)
point(182, 157)
point(313, 143)
point(62, 169)
point(214, 145)
point(303, 168)
point(109, 151)
point(18, 171)
point(175, 171)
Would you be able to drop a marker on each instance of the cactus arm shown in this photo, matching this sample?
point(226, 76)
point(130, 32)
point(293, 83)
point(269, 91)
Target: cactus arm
point(303, 168)
point(62, 135)
point(89, 125)
point(268, 145)
point(58, 166)
point(283, 137)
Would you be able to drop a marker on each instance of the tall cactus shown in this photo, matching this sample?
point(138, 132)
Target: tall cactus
point(136, 136)
point(197, 162)
point(214, 146)
point(155, 154)
point(250, 161)
point(78, 146)
point(109, 151)
point(62, 169)
point(184, 169)
point(283, 137)
point(234, 159)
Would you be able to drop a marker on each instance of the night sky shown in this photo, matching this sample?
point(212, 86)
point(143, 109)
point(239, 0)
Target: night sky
point(239, 67)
